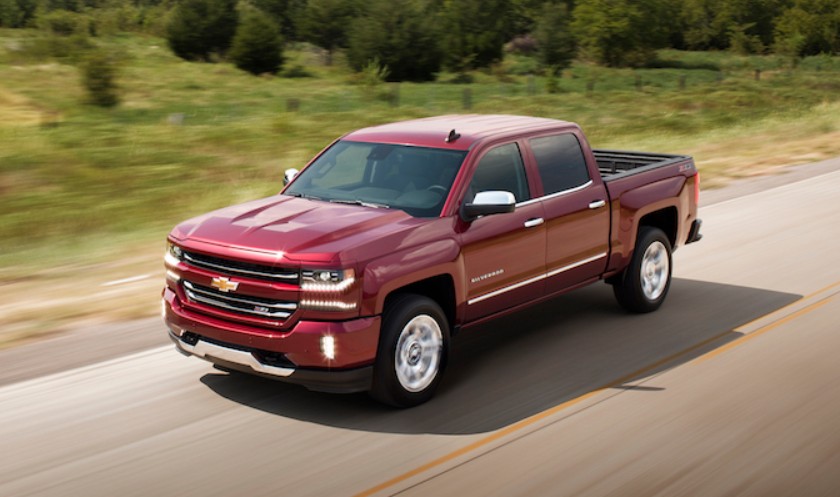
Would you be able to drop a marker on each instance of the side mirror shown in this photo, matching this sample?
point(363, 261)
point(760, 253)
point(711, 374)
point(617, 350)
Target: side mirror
point(289, 175)
point(486, 203)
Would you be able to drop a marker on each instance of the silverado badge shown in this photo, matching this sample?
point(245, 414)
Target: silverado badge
point(225, 285)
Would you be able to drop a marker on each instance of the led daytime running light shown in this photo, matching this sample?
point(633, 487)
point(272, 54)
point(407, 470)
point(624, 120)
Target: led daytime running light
point(327, 305)
point(309, 286)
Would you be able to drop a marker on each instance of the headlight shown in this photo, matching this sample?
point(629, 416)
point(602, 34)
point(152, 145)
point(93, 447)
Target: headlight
point(174, 255)
point(328, 290)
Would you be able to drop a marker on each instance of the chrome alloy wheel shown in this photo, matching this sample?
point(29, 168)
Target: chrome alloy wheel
point(419, 350)
point(655, 270)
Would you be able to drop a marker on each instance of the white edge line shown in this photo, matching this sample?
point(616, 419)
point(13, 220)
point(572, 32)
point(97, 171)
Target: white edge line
point(84, 369)
point(780, 187)
point(126, 280)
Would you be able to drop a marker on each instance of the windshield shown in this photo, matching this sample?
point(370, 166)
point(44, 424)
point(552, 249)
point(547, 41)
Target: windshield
point(414, 179)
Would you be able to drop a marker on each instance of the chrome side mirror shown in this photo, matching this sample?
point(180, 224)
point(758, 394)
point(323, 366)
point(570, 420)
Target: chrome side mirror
point(487, 203)
point(289, 175)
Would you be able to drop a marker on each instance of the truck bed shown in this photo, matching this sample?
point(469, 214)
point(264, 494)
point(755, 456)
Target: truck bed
point(614, 164)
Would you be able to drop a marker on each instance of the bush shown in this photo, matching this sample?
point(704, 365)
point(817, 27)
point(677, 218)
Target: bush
point(62, 22)
point(198, 28)
point(396, 33)
point(554, 40)
point(256, 48)
point(99, 73)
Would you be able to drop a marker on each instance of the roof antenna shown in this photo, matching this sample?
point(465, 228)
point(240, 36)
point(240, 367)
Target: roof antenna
point(452, 136)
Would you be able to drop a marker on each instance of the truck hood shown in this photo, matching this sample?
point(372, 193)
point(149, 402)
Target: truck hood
point(300, 229)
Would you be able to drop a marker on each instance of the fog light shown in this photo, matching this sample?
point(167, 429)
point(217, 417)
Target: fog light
point(328, 347)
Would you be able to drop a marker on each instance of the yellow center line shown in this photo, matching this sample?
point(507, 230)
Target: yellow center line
point(761, 331)
point(553, 410)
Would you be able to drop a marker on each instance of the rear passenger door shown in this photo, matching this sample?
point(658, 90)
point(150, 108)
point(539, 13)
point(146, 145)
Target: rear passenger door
point(576, 211)
point(504, 254)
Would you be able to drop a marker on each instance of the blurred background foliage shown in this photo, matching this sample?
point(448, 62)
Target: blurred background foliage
point(119, 118)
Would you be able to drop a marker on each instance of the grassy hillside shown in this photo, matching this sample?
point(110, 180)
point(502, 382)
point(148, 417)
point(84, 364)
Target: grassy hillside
point(80, 184)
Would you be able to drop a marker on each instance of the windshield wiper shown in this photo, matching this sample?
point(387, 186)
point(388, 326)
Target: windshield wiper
point(303, 195)
point(362, 203)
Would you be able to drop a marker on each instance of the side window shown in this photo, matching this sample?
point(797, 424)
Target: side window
point(500, 169)
point(560, 162)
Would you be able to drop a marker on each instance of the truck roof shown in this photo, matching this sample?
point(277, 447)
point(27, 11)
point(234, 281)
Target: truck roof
point(433, 131)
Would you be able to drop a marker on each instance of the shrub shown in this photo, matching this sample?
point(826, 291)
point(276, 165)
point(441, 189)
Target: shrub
point(256, 48)
point(61, 22)
point(397, 34)
point(99, 73)
point(198, 28)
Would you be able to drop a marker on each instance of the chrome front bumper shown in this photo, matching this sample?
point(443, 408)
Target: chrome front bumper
point(210, 351)
point(336, 381)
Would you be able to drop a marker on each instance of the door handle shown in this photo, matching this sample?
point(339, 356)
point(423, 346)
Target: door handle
point(597, 204)
point(534, 222)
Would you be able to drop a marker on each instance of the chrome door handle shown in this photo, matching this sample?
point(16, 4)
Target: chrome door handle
point(597, 204)
point(534, 222)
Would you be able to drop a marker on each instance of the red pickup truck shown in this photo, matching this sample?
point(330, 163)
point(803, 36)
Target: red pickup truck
point(396, 237)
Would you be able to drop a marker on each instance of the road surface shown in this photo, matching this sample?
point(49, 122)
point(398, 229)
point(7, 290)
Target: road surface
point(731, 388)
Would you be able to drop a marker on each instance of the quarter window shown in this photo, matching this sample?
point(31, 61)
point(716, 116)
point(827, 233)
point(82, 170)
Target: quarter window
point(501, 169)
point(560, 162)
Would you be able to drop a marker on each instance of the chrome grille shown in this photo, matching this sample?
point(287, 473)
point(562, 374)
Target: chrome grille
point(242, 304)
point(238, 268)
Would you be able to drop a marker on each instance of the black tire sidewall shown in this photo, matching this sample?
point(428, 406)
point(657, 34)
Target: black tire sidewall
point(386, 386)
point(629, 290)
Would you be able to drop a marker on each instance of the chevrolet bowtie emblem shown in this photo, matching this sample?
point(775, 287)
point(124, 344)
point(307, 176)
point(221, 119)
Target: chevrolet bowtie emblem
point(225, 285)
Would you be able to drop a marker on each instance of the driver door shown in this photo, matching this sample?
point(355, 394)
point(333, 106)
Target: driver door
point(504, 254)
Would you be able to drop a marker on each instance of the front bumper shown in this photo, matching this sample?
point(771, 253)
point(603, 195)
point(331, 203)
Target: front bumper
point(230, 356)
point(293, 355)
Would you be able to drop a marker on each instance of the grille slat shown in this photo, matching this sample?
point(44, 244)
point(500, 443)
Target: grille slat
point(251, 306)
point(237, 268)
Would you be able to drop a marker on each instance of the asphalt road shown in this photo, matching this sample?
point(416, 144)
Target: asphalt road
point(731, 388)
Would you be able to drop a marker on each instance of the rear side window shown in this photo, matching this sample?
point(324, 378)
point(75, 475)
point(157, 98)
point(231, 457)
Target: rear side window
point(501, 169)
point(560, 162)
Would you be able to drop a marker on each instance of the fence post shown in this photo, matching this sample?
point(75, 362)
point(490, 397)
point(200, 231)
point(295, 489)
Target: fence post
point(590, 86)
point(467, 98)
point(638, 83)
point(682, 82)
point(532, 89)
point(758, 74)
point(292, 104)
point(719, 77)
point(395, 95)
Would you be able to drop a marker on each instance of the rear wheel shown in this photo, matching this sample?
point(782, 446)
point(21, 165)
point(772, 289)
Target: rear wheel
point(644, 285)
point(413, 348)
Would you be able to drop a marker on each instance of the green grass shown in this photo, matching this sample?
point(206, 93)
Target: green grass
point(103, 180)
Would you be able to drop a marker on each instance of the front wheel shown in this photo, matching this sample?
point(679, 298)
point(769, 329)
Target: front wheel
point(643, 286)
point(413, 348)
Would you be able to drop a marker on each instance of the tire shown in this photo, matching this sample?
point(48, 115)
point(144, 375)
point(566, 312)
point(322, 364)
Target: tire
point(413, 350)
point(644, 284)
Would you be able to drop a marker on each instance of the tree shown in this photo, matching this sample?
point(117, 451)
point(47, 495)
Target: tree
point(256, 48)
point(397, 34)
point(286, 13)
point(201, 27)
point(473, 32)
point(554, 39)
point(809, 27)
point(620, 33)
point(324, 23)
